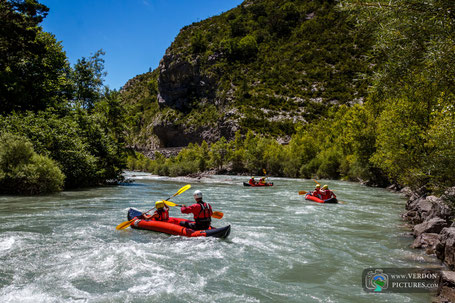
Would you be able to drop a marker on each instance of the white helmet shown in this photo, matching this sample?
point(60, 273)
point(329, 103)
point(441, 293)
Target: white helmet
point(197, 194)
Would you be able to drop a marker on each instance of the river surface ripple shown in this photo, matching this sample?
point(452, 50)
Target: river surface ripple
point(65, 248)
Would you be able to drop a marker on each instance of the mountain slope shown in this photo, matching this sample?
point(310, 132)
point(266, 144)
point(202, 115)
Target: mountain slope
point(265, 65)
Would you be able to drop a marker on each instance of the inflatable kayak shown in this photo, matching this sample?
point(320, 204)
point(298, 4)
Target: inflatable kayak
point(258, 185)
point(316, 199)
point(172, 227)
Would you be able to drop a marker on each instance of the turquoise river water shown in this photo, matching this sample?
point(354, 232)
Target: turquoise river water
point(65, 248)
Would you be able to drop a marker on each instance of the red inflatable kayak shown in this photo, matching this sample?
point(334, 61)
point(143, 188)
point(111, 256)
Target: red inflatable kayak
point(172, 227)
point(316, 199)
point(258, 184)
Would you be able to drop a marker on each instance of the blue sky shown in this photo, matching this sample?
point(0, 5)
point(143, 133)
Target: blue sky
point(133, 33)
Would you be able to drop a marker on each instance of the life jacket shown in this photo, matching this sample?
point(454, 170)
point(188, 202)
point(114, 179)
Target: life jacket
point(205, 214)
point(163, 214)
point(317, 193)
point(327, 194)
point(252, 182)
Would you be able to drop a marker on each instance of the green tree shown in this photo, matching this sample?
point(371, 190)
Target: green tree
point(198, 42)
point(88, 74)
point(247, 48)
point(219, 153)
point(86, 154)
point(440, 164)
point(33, 65)
point(22, 171)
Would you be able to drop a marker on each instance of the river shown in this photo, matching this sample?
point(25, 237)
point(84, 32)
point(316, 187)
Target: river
point(65, 248)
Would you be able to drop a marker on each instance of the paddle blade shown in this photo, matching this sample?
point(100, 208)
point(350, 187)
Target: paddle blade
point(302, 192)
point(169, 203)
point(124, 225)
point(217, 215)
point(183, 189)
point(264, 171)
point(316, 182)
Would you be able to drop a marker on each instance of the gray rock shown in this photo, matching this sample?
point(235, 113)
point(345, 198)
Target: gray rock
point(434, 225)
point(172, 135)
point(426, 208)
point(426, 240)
point(181, 81)
point(449, 195)
point(445, 249)
point(446, 289)
point(406, 191)
point(438, 209)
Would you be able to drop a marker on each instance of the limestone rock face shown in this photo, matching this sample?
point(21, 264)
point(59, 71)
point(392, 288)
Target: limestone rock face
point(172, 135)
point(180, 82)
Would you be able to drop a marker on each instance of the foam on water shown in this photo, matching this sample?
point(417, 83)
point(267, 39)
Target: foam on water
point(64, 248)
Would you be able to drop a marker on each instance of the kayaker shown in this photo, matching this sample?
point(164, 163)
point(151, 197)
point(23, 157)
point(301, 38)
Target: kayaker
point(252, 181)
point(326, 193)
point(317, 191)
point(202, 213)
point(262, 180)
point(162, 211)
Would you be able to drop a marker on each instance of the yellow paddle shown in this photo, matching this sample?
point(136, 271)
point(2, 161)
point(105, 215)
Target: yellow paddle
point(215, 214)
point(125, 224)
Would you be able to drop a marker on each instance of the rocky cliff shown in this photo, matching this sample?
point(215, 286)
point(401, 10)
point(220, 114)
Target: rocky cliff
point(266, 65)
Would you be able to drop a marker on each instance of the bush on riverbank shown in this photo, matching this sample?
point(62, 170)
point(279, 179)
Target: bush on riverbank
point(87, 155)
point(23, 171)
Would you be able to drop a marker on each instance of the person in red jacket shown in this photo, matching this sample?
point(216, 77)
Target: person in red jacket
point(162, 211)
point(202, 213)
point(317, 191)
point(252, 182)
point(327, 193)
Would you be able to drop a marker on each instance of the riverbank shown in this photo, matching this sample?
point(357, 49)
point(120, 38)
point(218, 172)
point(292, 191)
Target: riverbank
point(432, 224)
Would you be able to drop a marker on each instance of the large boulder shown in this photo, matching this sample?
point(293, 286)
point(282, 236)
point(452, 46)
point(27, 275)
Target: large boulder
point(407, 192)
point(446, 289)
point(427, 241)
point(426, 208)
point(434, 225)
point(445, 249)
point(449, 196)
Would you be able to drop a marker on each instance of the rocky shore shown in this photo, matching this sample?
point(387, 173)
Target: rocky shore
point(432, 218)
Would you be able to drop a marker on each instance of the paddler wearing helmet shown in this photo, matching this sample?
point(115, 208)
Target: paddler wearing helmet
point(252, 181)
point(201, 211)
point(327, 193)
point(317, 191)
point(162, 211)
